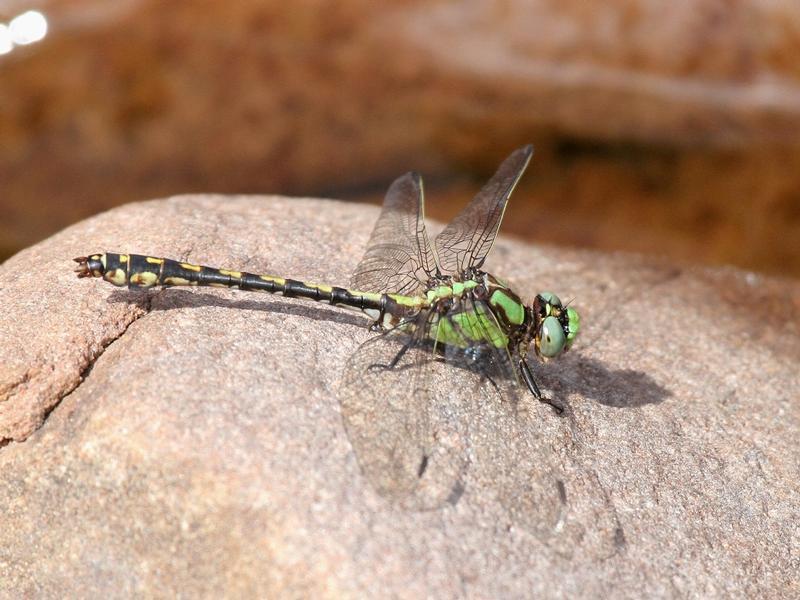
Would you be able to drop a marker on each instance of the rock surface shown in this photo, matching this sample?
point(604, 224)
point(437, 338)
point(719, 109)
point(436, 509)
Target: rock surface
point(191, 441)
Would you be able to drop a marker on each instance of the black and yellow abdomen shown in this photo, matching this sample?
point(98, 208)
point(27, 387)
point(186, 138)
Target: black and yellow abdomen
point(139, 271)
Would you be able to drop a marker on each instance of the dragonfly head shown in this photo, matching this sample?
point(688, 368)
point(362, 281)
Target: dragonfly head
point(554, 326)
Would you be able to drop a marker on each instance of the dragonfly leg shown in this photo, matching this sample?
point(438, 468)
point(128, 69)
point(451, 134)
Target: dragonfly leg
point(525, 370)
point(399, 355)
point(394, 361)
point(493, 382)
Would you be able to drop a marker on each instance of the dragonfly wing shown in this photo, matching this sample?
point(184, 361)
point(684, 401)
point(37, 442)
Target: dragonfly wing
point(399, 258)
point(534, 461)
point(466, 241)
point(404, 430)
point(483, 351)
point(511, 453)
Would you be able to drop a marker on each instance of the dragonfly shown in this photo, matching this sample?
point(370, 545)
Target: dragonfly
point(431, 306)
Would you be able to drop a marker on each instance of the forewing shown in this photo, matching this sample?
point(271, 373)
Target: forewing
point(466, 241)
point(402, 420)
point(399, 258)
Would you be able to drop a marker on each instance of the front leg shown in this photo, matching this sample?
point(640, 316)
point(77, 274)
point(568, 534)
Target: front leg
point(527, 376)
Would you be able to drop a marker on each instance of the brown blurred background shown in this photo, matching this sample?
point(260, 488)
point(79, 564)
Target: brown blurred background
point(666, 128)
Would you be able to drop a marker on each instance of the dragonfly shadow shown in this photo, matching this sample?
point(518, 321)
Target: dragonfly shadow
point(617, 388)
point(173, 298)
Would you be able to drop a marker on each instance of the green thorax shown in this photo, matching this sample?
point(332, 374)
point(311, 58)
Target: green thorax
point(473, 311)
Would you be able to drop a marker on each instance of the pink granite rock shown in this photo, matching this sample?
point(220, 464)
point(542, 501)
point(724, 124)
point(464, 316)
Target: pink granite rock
point(194, 442)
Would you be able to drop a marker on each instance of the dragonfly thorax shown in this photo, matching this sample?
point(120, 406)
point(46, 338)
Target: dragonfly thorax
point(474, 310)
point(448, 288)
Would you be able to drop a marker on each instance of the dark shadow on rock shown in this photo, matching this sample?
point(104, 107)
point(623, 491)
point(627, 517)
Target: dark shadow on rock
point(170, 299)
point(618, 388)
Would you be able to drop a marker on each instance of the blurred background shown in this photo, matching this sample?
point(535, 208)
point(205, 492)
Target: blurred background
point(670, 128)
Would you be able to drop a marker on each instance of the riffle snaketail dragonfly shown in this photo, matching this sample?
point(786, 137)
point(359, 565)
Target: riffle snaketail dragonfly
point(430, 304)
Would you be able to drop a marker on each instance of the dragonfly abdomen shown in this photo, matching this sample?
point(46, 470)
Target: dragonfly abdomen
point(139, 271)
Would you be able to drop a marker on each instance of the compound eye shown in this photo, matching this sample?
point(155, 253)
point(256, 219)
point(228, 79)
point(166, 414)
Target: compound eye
point(551, 338)
point(573, 325)
point(551, 299)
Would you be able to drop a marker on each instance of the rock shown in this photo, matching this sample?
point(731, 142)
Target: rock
point(193, 441)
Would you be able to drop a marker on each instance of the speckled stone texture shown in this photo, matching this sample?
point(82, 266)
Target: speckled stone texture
point(188, 442)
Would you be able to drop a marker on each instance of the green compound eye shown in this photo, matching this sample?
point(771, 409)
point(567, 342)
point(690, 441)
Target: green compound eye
point(573, 325)
point(551, 298)
point(551, 338)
